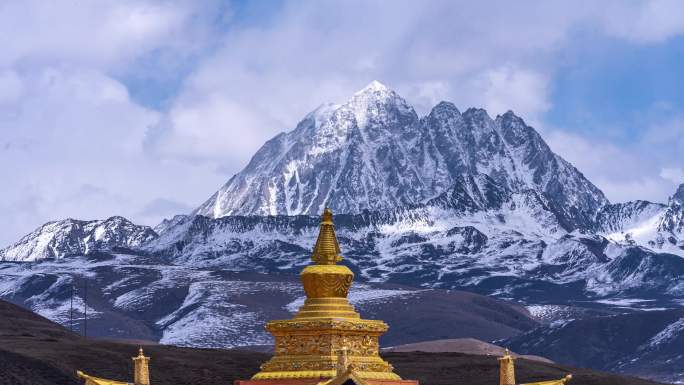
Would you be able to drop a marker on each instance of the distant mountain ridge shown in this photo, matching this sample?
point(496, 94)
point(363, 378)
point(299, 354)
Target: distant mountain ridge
point(648, 343)
point(657, 226)
point(375, 153)
point(75, 237)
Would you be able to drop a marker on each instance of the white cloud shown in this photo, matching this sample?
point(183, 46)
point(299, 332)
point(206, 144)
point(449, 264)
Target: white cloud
point(71, 138)
point(524, 92)
point(80, 146)
point(101, 34)
point(624, 173)
point(667, 133)
point(646, 21)
point(264, 79)
point(75, 149)
point(11, 87)
point(201, 131)
point(673, 174)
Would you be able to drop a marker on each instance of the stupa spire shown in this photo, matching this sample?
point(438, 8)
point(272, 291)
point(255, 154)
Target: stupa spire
point(326, 283)
point(327, 249)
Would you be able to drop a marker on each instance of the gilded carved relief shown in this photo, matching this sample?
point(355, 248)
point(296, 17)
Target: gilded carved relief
point(326, 344)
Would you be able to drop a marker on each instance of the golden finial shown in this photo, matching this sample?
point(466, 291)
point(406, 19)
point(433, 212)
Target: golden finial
point(506, 369)
point(141, 369)
point(327, 217)
point(507, 355)
point(327, 249)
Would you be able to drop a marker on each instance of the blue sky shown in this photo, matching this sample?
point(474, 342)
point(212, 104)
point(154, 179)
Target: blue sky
point(610, 82)
point(144, 108)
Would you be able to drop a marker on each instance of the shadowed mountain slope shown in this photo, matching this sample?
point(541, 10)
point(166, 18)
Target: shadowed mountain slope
point(647, 343)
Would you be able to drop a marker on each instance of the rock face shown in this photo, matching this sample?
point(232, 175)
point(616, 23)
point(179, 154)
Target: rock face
point(74, 237)
point(620, 216)
point(374, 153)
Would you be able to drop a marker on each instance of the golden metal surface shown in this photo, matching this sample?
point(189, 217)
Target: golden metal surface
point(141, 369)
point(552, 382)
point(507, 373)
point(345, 371)
point(141, 373)
point(90, 380)
point(506, 369)
point(308, 345)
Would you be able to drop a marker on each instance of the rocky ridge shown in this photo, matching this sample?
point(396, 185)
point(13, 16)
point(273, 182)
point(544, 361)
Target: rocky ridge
point(375, 153)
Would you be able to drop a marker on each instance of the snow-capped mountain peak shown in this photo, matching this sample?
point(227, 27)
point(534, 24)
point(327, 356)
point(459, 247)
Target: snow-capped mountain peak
point(374, 152)
point(374, 86)
point(376, 104)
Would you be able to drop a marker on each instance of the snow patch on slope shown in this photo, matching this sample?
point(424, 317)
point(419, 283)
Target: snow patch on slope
point(670, 332)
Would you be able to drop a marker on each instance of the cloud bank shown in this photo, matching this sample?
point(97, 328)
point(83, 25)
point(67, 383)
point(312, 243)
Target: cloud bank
point(143, 108)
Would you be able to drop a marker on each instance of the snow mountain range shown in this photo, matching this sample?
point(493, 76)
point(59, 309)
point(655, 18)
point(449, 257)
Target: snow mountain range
point(450, 200)
point(375, 153)
point(69, 237)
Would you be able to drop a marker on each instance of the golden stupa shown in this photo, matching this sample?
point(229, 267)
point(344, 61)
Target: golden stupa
point(327, 340)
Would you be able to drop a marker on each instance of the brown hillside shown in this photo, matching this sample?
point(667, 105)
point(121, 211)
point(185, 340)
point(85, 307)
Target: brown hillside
point(35, 351)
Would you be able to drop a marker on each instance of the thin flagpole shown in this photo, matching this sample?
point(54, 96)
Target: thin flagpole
point(71, 308)
point(85, 308)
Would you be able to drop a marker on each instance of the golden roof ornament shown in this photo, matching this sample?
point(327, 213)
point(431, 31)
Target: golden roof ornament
point(506, 369)
point(141, 373)
point(91, 380)
point(141, 369)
